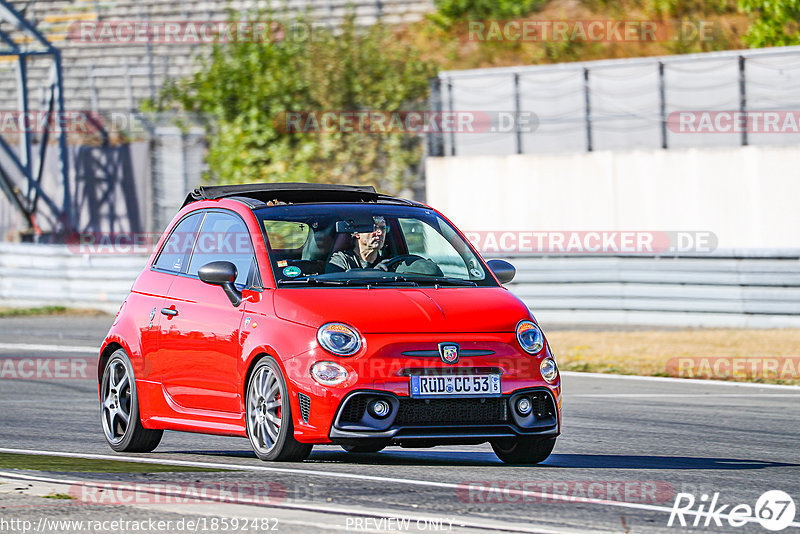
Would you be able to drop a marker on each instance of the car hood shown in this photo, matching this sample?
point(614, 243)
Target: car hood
point(403, 310)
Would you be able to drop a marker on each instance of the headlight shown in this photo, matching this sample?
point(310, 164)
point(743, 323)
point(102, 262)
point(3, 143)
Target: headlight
point(339, 339)
point(549, 370)
point(328, 373)
point(530, 338)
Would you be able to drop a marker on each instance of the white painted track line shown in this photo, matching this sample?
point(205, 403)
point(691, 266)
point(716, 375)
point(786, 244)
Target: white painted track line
point(679, 396)
point(685, 381)
point(370, 478)
point(40, 347)
point(221, 507)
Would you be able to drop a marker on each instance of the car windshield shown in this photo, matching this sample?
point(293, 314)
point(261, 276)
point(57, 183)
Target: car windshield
point(342, 245)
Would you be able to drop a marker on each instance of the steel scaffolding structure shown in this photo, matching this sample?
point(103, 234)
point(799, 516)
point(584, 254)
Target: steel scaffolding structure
point(23, 41)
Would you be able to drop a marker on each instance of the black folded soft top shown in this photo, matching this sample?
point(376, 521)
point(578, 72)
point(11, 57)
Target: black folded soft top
point(258, 195)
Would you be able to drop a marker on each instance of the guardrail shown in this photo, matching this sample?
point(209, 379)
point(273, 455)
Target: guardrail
point(53, 275)
point(726, 289)
point(735, 289)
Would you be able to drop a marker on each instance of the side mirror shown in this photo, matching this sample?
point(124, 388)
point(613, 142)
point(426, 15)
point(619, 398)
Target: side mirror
point(223, 274)
point(503, 270)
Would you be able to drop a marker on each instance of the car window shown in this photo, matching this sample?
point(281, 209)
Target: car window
point(423, 240)
point(286, 234)
point(224, 237)
point(173, 256)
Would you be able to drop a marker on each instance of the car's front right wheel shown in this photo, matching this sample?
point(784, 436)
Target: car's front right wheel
point(527, 450)
point(269, 415)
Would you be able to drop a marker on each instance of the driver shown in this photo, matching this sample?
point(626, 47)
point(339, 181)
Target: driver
point(366, 254)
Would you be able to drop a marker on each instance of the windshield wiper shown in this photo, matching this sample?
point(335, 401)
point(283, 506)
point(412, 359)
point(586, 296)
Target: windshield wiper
point(378, 280)
point(396, 280)
point(445, 281)
point(311, 281)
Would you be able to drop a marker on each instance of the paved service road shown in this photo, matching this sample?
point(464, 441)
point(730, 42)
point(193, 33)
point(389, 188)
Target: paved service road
point(632, 443)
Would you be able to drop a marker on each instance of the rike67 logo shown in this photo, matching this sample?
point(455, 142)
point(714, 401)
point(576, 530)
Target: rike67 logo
point(774, 510)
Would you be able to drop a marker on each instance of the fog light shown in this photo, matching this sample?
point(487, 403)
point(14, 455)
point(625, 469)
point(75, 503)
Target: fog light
point(524, 406)
point(380, 408)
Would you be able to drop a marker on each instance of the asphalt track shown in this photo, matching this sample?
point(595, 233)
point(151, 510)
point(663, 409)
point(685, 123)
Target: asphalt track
point(632, 444)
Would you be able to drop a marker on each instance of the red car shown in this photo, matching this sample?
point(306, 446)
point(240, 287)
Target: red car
point(296, 314)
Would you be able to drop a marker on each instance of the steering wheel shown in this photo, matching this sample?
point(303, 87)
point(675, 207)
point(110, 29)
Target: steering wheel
point(392, 263)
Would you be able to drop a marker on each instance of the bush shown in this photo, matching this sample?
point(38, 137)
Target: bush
point(486, 9)
point(244, 87)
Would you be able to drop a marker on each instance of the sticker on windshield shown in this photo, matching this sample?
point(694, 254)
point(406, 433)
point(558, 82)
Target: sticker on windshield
point(292, 271)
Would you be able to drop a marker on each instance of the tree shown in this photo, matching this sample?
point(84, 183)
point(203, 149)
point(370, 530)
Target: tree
point(775, 22)
point(247, 88)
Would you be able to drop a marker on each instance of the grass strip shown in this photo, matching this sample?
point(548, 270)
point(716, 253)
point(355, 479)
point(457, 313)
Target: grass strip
point(35, 462)
point(762, 356)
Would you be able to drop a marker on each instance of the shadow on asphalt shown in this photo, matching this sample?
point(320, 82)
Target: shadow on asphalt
point(612, 461)
point(481, 458)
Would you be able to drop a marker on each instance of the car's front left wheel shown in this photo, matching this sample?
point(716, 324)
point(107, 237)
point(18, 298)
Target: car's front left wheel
point(122, 426)
point(269, 415)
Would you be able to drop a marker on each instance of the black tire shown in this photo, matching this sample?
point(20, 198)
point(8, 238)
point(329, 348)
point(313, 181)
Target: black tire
point(118, 398)
point(283, 447)
point(524, 450)
point(365, 448)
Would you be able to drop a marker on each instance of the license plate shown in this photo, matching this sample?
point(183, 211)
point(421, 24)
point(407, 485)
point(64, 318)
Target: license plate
point(455, 386)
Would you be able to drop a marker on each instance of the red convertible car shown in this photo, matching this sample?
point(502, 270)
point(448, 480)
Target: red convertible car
point(302, 314)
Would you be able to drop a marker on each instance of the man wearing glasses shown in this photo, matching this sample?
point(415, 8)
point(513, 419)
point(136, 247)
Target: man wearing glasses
point(366, 254)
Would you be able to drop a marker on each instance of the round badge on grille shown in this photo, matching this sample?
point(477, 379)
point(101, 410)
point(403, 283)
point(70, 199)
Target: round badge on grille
point(448, 352)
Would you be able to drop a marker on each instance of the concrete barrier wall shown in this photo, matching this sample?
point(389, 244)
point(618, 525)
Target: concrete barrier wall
point(54, 275)
point(746, 196)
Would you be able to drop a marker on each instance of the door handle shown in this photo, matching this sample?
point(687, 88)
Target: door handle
point(169, 311)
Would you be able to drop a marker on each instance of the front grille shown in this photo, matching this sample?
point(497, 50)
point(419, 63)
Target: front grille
point(354, 409)
point(452, 411)
point(305, 406)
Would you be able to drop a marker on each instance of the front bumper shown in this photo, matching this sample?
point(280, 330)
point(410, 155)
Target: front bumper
point(385, 369)
point(419, 421)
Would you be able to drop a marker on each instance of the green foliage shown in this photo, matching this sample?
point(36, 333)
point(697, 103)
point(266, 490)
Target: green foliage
point(486, 9)
point(775, 22)
point(664, 8)
point(246, 87)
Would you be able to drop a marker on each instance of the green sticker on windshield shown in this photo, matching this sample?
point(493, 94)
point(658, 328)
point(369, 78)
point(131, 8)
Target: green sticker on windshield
point(292, 271)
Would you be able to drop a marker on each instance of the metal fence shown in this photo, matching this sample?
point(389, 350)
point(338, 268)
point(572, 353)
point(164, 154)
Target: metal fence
point(621, 104)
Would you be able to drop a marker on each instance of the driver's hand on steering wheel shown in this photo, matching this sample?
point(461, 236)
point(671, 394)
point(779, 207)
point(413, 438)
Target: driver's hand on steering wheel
point(383, 265)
